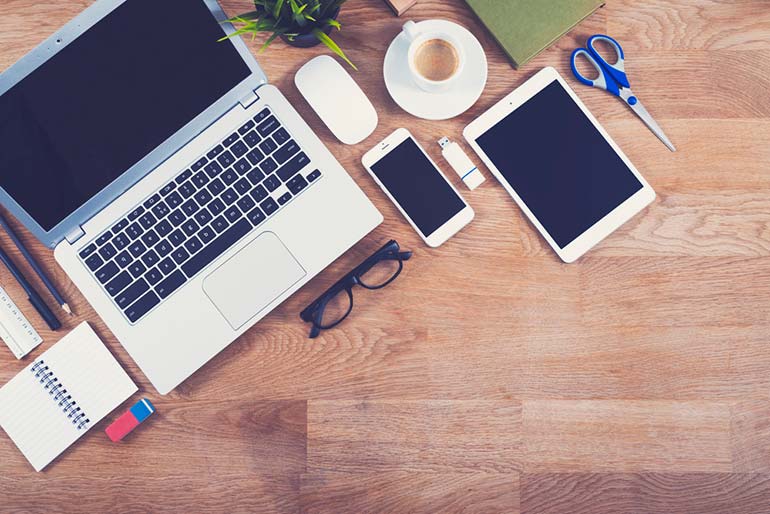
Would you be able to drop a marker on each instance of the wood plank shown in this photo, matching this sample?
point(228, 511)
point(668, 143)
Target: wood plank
point(750, 434)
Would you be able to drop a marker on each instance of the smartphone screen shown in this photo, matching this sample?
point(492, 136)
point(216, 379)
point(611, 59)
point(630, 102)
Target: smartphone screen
point(418, 187)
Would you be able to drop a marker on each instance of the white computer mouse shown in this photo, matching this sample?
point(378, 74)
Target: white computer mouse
point(337, 99)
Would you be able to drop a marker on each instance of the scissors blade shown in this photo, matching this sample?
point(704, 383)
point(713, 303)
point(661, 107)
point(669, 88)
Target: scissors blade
point(648, 120)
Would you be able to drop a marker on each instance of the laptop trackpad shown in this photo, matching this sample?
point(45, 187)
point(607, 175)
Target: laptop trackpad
point(251, 279)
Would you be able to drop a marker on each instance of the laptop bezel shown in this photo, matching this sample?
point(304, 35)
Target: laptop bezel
point(50, 47)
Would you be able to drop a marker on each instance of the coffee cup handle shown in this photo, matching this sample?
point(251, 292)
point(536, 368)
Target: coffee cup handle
point(410, 30)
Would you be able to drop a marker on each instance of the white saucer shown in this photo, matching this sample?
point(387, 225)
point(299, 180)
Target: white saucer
point(436, 106)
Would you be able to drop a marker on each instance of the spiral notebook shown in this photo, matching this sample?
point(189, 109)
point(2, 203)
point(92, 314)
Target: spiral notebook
point(61, 395)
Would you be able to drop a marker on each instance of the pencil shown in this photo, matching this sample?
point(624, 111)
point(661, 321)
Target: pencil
point(35, 266)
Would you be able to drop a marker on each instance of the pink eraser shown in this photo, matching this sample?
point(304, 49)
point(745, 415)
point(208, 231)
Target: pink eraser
point(130, 419)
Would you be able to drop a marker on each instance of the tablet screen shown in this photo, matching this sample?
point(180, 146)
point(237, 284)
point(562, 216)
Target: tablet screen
point(559, 164)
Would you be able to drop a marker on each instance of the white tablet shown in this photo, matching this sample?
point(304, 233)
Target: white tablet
point(559, 164)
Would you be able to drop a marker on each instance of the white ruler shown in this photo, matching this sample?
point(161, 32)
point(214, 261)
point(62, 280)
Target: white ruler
point(15, 330)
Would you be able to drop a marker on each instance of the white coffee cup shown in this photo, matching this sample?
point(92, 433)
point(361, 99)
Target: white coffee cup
point(417, 38)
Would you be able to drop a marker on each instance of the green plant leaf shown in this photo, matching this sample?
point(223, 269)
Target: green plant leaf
point(277, 8)
point(333, 23)
point(329, 42)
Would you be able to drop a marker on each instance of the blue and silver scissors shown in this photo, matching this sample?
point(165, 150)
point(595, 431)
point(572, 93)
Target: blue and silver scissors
point(612, 78)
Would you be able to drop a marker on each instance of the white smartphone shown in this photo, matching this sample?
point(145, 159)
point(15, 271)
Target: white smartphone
point(414, 183)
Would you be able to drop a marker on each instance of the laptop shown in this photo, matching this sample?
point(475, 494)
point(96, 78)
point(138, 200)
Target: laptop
point(183, 194)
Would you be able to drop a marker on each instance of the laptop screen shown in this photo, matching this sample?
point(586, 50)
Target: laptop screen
point(108, 99)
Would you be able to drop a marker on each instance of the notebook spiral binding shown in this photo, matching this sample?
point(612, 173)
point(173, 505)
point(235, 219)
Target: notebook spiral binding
point(59, 394)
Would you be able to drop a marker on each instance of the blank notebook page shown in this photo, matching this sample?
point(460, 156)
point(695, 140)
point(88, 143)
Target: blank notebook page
point(61, 395)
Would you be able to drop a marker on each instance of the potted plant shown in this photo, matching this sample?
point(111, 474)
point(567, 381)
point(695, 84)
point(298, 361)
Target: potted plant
point(301, 23)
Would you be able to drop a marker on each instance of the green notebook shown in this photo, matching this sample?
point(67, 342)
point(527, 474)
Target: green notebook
point(524, 28)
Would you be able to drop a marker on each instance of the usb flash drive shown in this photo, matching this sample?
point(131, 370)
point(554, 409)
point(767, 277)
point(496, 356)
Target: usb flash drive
point(461, 163)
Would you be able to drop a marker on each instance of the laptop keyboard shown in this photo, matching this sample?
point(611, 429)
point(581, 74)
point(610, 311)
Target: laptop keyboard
point(188, 223)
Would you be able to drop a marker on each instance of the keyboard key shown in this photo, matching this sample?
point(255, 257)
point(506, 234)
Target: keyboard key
point(213, 169)
point(284, 153)
point(284, 198)
point(150, 238)
point(268, 166)
point(107, 251)
point(268, 146)
point(232, 214)
point(190, 227)
point(120, 226)
point(161, 210)
point(134, 230)
point(163, 248)
point(173, 200)
point(252, 138)
point(226, 159)
point(241, 167)
point(269, 206)
point(256, 216)
point(229, 176)
point(203, 217)
point(242, 186)
point(200, 163)
point(137, 248)
point(229, 196)
point(180, 255)
point(193, 245)
point(239, 149)
point(200, 179)
point(246, 127)
point(170, 284)
point(190, 207)
point(104, 238)
point(147, 220)
point(313, 176)
point(215, 151)
point(151, 201)
point(120, 241)
point(150, 259)
point(163, 228)
point(94, 262)
point(131, 293)
point(123, 259)
point(177, 217)
point(290, 169)
point(232, 138)
point(168, 188)
point(177, 237)
point(106, 272)
point(167, 265)
point(259, 193)
point(118, 284)
point(272, 183)
point(206, 234)
point(255, 176)
point(246, 203)
point(220, 224)
point(142, 307)
point(297, 184)
point(267, 126)
point(216, 206)
point(136, 213)
point(137, 269)
point(281, 136)
point(216, 248)
point(153, 276)
point(187, 189)
point(183, 177)
point(255, 156)
point(264, 113)
point(216, 186)
point(203, 197)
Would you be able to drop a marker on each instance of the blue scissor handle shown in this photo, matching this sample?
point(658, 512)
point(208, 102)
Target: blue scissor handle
point(611, 76)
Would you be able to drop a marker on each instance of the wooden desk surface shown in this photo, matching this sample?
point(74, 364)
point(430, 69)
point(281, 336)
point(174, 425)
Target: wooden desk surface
point(490, 377)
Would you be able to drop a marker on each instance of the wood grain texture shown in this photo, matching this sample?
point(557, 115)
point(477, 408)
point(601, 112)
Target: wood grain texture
point(490, 377)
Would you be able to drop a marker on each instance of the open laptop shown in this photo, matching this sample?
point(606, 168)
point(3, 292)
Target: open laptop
point(183, 195)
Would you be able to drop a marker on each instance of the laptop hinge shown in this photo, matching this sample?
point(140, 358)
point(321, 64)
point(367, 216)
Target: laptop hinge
point(249, 99)
point(73, 236)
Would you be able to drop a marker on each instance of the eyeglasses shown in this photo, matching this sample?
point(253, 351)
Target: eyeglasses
point(376, 272)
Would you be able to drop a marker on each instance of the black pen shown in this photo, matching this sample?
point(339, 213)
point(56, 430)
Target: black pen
point(33, 296)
